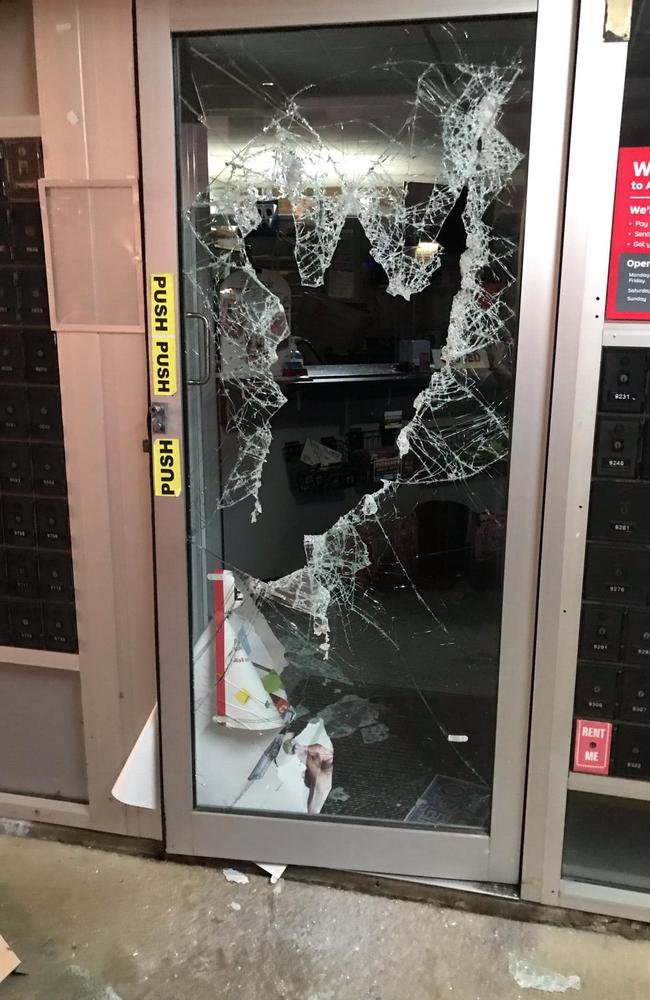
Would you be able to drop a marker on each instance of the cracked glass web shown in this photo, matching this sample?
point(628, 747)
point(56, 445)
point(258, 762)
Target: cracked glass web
point(296, 180)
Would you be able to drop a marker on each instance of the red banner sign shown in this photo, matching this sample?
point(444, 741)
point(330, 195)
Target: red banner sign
point(628, 288)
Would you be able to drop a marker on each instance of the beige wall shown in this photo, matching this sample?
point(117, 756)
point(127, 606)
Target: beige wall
point(86, 82)
point(83, 54)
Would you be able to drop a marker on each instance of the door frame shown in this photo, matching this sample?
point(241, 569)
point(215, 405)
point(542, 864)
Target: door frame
point(346, 845)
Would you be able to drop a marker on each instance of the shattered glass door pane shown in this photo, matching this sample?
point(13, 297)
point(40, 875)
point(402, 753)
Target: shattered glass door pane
point(355, 245)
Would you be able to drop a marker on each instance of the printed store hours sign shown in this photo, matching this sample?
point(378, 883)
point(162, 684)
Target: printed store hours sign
point(628, 289)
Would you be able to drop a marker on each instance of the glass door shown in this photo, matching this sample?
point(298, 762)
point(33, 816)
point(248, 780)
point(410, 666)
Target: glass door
point(351, 205)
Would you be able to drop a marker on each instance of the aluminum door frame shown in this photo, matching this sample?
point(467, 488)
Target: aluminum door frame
point(581, 333)
point(353, 845)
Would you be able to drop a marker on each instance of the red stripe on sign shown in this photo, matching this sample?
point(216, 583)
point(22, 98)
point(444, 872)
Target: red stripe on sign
point(220, 644)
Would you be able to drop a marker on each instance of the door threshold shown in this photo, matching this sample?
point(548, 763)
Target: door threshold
point(499, 890)
point(492, 899)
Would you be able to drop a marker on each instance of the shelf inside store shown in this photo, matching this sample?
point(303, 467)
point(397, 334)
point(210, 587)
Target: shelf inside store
point(319, 374)
point(605, 784)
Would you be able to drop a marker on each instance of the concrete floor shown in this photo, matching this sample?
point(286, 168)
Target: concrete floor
point(92, 925)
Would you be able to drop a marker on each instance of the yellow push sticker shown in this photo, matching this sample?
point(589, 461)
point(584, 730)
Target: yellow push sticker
point(167, 478)
point(162, 318)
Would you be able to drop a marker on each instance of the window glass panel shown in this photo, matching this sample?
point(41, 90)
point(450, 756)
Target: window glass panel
point(353, 236)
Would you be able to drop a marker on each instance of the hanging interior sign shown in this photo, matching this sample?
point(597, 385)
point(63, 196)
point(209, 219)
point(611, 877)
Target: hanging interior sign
point(162, 323)
point(628, 289)
point(167, 467)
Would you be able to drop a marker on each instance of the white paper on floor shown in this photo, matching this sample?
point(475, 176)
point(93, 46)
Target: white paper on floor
point(529, 977)
point(232, 875)
point(275, 871)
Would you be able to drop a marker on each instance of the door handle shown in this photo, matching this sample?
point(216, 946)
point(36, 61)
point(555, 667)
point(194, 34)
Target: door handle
point(207, 352)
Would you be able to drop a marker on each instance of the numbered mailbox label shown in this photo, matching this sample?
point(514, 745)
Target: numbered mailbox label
point(167, 467)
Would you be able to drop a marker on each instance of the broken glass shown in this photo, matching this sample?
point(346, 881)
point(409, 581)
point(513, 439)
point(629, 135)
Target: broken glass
point(355, 246)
